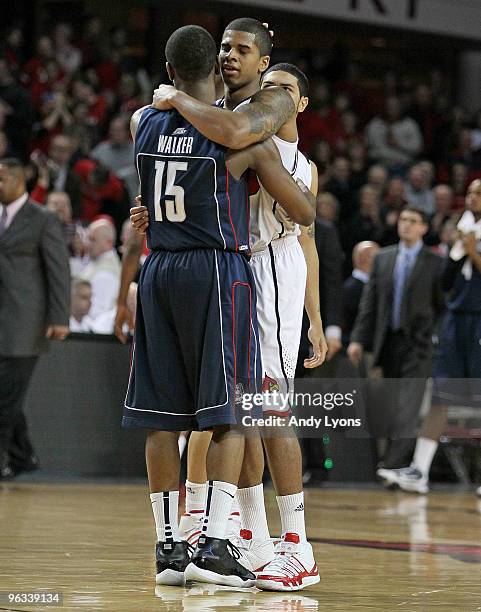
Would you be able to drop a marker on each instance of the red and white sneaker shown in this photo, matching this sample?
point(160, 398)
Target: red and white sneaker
point(255, 554)
point(190, 526)
point(233, 526)
point(292, 569)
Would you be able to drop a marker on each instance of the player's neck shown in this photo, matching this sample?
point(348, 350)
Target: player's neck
point(288, 132)
point(234, 97)
point(203, 91)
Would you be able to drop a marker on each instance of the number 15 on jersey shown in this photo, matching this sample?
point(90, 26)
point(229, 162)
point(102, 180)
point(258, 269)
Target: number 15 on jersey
point(173, 194)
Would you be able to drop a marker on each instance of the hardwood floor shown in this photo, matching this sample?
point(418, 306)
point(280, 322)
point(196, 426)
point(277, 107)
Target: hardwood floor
point(376, 550)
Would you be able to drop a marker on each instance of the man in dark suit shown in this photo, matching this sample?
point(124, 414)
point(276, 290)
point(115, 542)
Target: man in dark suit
point(399, 307)
point(34, 305)
point(362, 259)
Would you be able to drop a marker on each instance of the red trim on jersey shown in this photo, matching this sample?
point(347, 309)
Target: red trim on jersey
point(234, 284)
point(228, 202)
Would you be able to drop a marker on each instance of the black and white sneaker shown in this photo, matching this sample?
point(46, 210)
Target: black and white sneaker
point(215, 561)
point(408, 479)
point(172, 558)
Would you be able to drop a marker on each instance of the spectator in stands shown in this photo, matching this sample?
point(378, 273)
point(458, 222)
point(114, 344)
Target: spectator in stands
point(398, 310)
point(393, 204)
point(443, 201)
point(393, 140)
point(59, 203)
point(68, 56)
point(55, 173)
point(377, 177)
point(362, 259)
point(103, 270)
point(357, 154)
point(327, 207)
point(341, 187)
point(15, 112)
point(366, 224)
point(104, 323)
point(117, 154)
point(459, 180)
point(417, 190)
point(459, 357)
point(80, 304)
point(102, 192)
point(34, 306)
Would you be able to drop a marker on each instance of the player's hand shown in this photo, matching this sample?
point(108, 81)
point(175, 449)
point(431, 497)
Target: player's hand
point(319, 346)
point(469, 243)
point(57, 332)
point(162, 97)
point(355, 351)
point(139, 217)
point(123, 316)
point(334, 346)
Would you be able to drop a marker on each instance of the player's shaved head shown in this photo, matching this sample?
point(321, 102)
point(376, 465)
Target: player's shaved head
point(296, 72)
point(262, 37)
point(191, 52)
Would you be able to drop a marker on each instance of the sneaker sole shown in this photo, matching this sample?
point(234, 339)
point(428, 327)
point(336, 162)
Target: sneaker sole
point(197, 574)
point(170, 577)
point(412, 488)
point(273, 585)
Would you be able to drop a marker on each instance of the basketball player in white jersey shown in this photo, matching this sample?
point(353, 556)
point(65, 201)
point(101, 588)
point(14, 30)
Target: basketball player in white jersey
point(280, 271)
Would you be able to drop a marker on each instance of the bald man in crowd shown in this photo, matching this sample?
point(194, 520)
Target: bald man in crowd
point(103, 270)
point(362, 258)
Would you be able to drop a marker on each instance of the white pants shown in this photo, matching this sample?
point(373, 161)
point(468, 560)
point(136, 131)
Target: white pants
point(280, 274)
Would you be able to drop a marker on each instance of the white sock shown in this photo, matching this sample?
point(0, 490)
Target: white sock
point(165, 507)
point(424, 455)
point(217, 508)
point(291, 509)
point(195, 495)
point(253, 511)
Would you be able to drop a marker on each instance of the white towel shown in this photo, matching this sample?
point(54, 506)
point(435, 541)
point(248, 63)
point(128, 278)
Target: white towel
point(466, 225)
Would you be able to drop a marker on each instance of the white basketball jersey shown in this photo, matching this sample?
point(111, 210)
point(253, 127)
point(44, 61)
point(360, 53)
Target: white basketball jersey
point(268, 220)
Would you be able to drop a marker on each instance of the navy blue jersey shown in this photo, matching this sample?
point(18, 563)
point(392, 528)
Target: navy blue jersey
point(193, 201)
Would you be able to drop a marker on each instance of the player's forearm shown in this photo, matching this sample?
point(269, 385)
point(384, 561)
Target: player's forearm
point(311, 300)
point(476, 260)
point(216, 124)
point(130, 265)
point(254, 122)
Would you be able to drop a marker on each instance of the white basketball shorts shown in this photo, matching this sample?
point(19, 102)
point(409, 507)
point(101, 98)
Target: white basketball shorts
point(280, 274)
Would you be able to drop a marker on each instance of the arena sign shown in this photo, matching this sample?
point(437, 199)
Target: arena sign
point(459, 18)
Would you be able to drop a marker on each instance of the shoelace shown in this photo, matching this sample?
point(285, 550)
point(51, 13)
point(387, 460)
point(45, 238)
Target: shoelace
point(285, 560)
point(234, 551)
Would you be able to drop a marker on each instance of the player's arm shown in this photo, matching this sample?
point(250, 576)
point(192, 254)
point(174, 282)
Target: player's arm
point(311, 300)
point(268, 110)
point(130, 265)
point(264, 159)
point(134, 120)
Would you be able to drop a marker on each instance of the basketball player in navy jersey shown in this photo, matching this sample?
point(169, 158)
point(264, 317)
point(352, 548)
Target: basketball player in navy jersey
point(284, 454)
point(196, 328)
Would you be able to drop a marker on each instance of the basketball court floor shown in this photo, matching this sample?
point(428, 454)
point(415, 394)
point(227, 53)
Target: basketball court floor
point(376, 550)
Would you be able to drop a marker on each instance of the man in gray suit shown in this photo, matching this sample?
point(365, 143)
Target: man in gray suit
point(399, 308)
point(34, 305)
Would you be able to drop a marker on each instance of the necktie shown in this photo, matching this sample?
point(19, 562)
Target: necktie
point(3, 220)
point(400, 276)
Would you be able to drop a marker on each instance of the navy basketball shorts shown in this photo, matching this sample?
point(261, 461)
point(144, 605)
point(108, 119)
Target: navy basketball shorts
point(196, 348)
point(457, 370)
